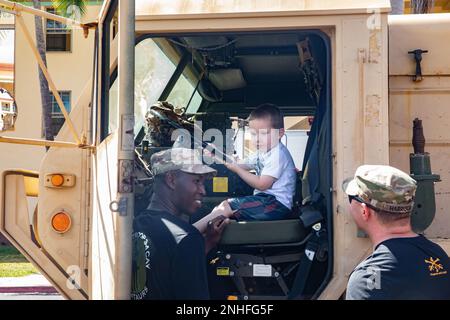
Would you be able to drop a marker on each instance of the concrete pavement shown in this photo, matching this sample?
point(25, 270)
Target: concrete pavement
point(32, 287)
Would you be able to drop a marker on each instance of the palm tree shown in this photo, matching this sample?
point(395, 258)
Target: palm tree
point(43, 84)
point(65, 7)
point(422, 6)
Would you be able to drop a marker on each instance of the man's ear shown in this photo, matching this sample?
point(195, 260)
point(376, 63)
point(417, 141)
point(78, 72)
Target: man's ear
point(281, 132)
point(170, 179)
point(365, 213)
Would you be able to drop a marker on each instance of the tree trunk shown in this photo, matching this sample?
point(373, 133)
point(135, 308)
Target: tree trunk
point(422, 6)
point(47, 130)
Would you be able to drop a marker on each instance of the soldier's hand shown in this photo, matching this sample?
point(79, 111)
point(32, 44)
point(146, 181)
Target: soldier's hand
point(214, 231)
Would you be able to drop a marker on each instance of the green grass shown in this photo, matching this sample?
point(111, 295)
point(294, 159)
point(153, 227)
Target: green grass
point(14, 264)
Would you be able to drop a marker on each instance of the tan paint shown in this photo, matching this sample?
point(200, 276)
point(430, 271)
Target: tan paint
point(427, 100)
point(374, 46)
point(104, 164)
point(372, 114)
point(103, 244)
point(16, 227)
point(425, 31)
point(68, 250)
point(38, 142)
point(360, 121)
point(294, 7)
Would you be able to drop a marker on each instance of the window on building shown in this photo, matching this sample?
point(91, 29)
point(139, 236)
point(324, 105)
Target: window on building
point(58, 36)
point(56, 110)
point(57, 115)
point(5, 106)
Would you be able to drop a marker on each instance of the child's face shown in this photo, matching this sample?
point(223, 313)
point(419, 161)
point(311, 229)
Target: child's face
point(263, 136)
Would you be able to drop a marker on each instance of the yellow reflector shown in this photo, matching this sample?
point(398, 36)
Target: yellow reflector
point(220, 184)
point(232, 298)
point(57, 180)
point(61, 222)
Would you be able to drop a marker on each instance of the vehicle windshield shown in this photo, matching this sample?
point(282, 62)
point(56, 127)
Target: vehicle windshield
point(154, 66)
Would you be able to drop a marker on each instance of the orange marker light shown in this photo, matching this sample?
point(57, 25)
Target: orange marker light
point(61, 222)
point(57, 180)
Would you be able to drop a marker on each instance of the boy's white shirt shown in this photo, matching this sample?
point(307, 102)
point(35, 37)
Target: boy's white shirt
point(277, 163)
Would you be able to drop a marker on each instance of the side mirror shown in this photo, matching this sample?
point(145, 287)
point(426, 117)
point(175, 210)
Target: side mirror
point(8, 111)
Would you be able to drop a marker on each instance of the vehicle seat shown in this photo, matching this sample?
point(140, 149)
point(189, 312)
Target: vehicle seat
point(261, 259)
point(263, 232)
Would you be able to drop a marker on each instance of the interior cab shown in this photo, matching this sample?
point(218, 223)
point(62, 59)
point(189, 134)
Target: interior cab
point(215, 81)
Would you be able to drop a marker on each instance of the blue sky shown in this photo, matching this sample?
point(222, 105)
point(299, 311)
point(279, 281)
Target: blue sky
point(7, 46)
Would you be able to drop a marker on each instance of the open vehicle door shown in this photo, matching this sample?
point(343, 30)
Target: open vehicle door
point(45, 214)
point(113, 163)
point(50, 215)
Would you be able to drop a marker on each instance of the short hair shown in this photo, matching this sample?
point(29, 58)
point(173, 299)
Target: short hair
point(268, 111)
point(160, 179)
point(388, 218)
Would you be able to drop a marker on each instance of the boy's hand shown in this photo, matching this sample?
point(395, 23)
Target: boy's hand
point(207, 153)
point(232, 166)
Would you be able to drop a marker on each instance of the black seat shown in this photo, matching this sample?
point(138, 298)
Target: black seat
point(263, 232)
point(260, 259)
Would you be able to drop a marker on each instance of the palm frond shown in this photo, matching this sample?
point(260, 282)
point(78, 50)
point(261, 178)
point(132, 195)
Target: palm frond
point(67, 7)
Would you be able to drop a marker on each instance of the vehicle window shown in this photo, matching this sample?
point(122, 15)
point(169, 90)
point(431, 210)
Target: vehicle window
point(182, 92)
point(153, 70)
point(195, 103)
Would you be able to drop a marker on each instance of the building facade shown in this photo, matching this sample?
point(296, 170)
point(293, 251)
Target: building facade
point(69, 60)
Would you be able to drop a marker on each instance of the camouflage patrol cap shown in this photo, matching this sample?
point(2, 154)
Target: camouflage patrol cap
point(186, 160)
point(384, 187)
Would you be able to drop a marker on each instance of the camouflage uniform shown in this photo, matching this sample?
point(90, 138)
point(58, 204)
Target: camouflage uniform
point(383, 187)
point(186, 160)
point(402, 266)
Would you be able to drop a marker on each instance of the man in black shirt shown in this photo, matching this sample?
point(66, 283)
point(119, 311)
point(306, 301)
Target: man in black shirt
point(403, 265)
point(168, 253)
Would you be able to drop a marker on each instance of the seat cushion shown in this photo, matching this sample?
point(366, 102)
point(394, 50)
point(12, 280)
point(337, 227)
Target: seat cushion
point(263, 232)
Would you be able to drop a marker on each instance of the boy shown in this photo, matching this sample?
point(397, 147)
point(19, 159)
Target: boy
point(275, 177)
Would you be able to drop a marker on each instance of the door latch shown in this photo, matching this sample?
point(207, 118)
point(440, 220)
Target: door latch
point(418, 57)
point(120, 206)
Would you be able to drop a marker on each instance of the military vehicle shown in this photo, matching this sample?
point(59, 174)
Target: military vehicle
point(367, 79)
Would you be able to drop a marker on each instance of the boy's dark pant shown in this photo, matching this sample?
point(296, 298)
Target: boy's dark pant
point(261, 206)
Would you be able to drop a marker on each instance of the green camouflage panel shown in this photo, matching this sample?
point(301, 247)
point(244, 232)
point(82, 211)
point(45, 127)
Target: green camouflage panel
point(186, 160)
point(384, 187)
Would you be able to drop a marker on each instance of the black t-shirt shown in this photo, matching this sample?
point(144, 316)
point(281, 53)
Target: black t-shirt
point(402, 268)
point(168, 259)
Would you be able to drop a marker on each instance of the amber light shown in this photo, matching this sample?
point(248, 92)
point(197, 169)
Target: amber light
point(57, 180)
point(61, 222)
point(232, 298)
